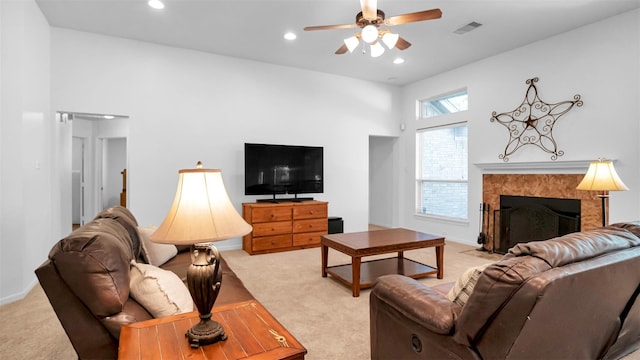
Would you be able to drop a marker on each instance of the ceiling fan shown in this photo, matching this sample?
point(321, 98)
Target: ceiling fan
point(369, 20)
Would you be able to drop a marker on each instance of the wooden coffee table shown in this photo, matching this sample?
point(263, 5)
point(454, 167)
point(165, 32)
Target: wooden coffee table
point(252, 333)
point(361, 274)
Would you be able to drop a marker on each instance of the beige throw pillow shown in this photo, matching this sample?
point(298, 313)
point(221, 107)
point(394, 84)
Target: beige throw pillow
point(464, 285)
point(159, 291)
point(154, 253)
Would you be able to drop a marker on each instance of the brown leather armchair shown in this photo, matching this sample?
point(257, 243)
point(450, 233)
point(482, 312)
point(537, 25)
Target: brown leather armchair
point(572, 297)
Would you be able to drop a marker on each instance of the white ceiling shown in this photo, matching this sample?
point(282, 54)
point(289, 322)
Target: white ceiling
point(254, 29)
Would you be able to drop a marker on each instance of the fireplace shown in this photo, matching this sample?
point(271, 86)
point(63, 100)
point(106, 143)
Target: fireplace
point(560, 186)
point(533, 218)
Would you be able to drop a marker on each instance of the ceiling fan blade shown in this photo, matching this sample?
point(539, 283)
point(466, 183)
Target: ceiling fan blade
point(402, 44)
point(413, 17)
point(343, 49)
point(369, 9)
point(330, 27)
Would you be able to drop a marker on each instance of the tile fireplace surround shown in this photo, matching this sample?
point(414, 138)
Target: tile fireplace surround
point(542, 185)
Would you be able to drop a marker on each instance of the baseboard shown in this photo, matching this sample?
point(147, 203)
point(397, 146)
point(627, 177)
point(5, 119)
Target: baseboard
point(231, 244)
point(19, 296)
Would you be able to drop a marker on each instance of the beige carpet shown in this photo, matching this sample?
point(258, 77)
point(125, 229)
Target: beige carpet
point(319, 312)
point(29, 329)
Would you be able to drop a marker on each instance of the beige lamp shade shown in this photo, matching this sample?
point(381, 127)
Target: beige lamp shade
point(201, 211)
point(601, 176)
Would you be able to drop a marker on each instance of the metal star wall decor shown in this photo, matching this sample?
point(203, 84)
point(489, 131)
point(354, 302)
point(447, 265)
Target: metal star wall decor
point(531, 123)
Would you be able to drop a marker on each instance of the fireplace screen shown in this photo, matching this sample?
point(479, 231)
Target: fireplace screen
point(524, 219)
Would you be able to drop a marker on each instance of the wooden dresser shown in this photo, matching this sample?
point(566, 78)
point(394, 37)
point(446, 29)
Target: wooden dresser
point(284, 226)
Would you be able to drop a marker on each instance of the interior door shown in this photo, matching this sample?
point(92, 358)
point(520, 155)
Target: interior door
point(78, 182)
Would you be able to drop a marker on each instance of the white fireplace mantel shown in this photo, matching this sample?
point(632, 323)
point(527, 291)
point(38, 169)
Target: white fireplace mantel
point(540, 167)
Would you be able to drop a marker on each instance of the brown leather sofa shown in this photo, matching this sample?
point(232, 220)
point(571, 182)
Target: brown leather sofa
point(86, 279)
point(572, 297)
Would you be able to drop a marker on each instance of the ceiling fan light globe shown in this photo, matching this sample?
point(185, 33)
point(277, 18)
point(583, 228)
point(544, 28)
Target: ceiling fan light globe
point(352, 43)
point(369, 34)
point(376, 49)
point(390, 39)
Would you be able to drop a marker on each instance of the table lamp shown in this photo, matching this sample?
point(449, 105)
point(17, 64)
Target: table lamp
point(202, 213)
point(602, 176)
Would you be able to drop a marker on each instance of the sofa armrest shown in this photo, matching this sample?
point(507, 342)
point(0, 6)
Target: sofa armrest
point(417, 302)
point(132, 312)
point(89, 338)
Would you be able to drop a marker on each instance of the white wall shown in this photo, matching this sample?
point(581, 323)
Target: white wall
point(601, 62)
point(26, 212)
point(187, 106)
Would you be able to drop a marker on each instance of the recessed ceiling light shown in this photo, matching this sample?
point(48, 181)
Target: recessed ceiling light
point(156, 4)
point(290, 36)
point(398, 60)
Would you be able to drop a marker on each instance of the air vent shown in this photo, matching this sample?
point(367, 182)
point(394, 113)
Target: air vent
point(465, 29)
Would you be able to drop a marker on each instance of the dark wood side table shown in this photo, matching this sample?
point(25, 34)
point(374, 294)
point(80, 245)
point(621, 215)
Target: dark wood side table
point(253, 333)
point(361, 274)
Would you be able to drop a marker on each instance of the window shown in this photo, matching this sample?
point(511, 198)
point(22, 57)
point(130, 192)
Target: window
point(442, 160)
point(444, 105)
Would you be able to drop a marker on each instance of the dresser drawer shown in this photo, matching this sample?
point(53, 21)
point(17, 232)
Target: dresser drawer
point(259, 215)
point(271, 242)
point(307, 239)
point(310, 211)
point(272, 228)
point(310, 225)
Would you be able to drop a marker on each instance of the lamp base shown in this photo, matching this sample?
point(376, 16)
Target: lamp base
point(204, 279)
point(604, 197)
point(205, 332)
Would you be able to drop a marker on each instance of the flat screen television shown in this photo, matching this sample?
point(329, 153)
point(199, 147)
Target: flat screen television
point(283, 169)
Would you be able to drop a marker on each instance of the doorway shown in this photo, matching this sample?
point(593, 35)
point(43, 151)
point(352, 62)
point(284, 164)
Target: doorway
point(383, 181)
point(113, 172)
point(98, 163)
